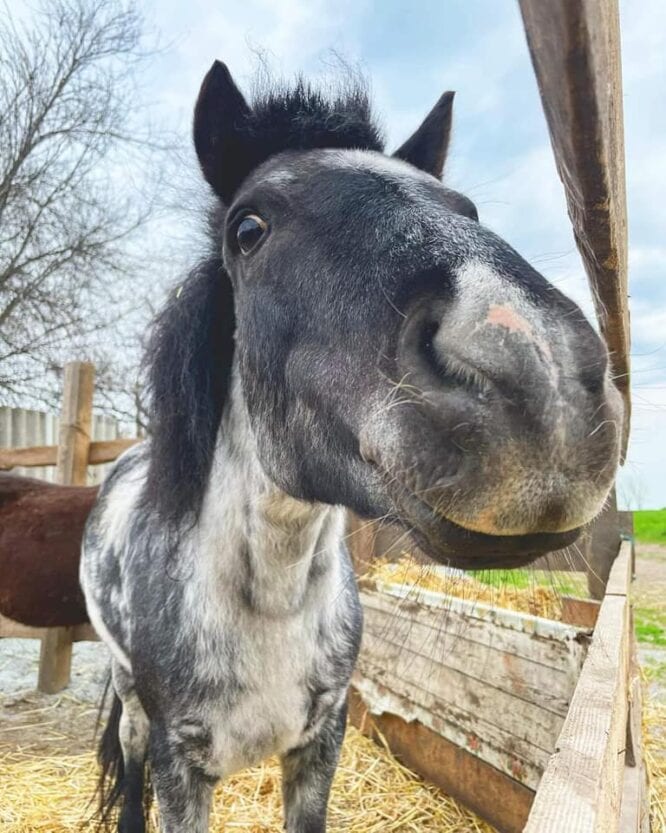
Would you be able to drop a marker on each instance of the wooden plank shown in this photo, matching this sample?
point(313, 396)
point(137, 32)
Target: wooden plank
point(32, 456)
point(600, 544)
point(71, 469)
point(582, 786)
point(524, 635)
point(106, 451)
point(9, 629)
point(100, 451)
point(619, 580)
point(487, 652)
point(515, 756)
point(493, 682)
point(479, 786)
point(580, 612)
point(575, 50)
point(512, 735)
point(635, 814)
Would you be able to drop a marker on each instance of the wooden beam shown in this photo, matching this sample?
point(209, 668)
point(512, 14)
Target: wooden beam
point(581, 789)
point(575, 50)
point(71, 470)
point(100, 451)
point(635, 816)
point(29, 457)
point(619, 580)
point(580, 612)
point(9, 629)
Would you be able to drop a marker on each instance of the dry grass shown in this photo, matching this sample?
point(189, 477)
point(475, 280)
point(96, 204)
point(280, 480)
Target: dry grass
point(372, 793)
point(654, 738)
point(533, 599)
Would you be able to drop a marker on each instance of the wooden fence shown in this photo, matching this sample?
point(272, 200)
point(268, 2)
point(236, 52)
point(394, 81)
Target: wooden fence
point(69, 462)
point(21, 428)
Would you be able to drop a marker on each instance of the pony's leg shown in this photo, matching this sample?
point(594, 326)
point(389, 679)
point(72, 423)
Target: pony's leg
point(307, 774)
point(133, 735)
point(183, 790)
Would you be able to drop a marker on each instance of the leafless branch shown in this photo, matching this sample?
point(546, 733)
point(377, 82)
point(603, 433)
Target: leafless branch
point(69, 220)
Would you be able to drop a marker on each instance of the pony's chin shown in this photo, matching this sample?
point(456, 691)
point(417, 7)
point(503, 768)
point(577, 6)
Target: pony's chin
point(454, 545)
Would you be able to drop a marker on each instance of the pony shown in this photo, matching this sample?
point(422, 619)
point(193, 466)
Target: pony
point(41, 528)
point(353, 337)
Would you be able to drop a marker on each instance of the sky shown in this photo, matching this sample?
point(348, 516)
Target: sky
point(500, 155)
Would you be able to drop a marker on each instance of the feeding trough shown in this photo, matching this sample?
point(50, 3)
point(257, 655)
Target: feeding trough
point(508, 711)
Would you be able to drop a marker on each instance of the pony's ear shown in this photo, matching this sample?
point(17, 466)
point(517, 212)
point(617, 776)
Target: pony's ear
point(426, 148)
point(218, 138)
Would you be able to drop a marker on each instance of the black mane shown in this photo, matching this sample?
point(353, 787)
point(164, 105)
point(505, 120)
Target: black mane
point(190, 350)
point(305, 118)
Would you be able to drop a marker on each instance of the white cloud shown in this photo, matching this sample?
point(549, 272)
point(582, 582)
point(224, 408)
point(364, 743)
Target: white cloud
point(291, 34)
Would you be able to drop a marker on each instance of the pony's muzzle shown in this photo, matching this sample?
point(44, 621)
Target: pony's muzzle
point(530, 409)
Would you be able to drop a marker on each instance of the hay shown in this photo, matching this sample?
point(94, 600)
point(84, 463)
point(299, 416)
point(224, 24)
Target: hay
point(372, 792)
point(535, 599)
point(654, 740)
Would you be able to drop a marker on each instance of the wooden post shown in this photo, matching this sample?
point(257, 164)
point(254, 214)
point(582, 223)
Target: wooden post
point(575, 49)
point(581, 788)
point(71, 470)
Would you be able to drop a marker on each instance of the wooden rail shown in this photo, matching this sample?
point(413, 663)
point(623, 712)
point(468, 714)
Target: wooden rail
point(9, 629)
point(100, 451)
point(582, 787)
point(575, 49)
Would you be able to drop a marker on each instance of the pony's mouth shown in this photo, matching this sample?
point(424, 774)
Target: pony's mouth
point(452, 544)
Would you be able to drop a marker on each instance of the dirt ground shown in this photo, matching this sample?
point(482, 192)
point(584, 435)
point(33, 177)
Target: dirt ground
point(649, 598)
point(62, 723)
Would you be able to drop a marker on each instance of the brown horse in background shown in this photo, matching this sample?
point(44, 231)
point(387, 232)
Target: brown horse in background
point(41, 527)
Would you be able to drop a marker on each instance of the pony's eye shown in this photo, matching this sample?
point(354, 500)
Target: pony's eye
point(249, 232)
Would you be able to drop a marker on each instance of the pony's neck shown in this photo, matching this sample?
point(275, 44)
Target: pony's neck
point(271, 543)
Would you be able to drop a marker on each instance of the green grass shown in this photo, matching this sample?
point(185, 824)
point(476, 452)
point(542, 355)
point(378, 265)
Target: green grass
point(650, 619)
point(650, 525)
point(650, 623)
point(655, 671)
point(567, 584)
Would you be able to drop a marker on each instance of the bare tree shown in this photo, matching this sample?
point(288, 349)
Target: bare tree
point(68, 132)
point(631, 489)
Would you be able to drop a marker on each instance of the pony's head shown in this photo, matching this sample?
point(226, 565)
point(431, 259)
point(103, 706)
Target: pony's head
point(395, 355)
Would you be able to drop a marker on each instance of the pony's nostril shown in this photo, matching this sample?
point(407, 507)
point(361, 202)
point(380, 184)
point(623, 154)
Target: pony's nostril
point(448, 368)
point(433, 359)
point(593, 377)
point(593, 383)
point(367, 452)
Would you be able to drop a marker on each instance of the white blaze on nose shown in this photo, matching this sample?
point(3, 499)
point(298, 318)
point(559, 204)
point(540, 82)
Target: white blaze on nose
point(495, 321)
point(504, 315)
